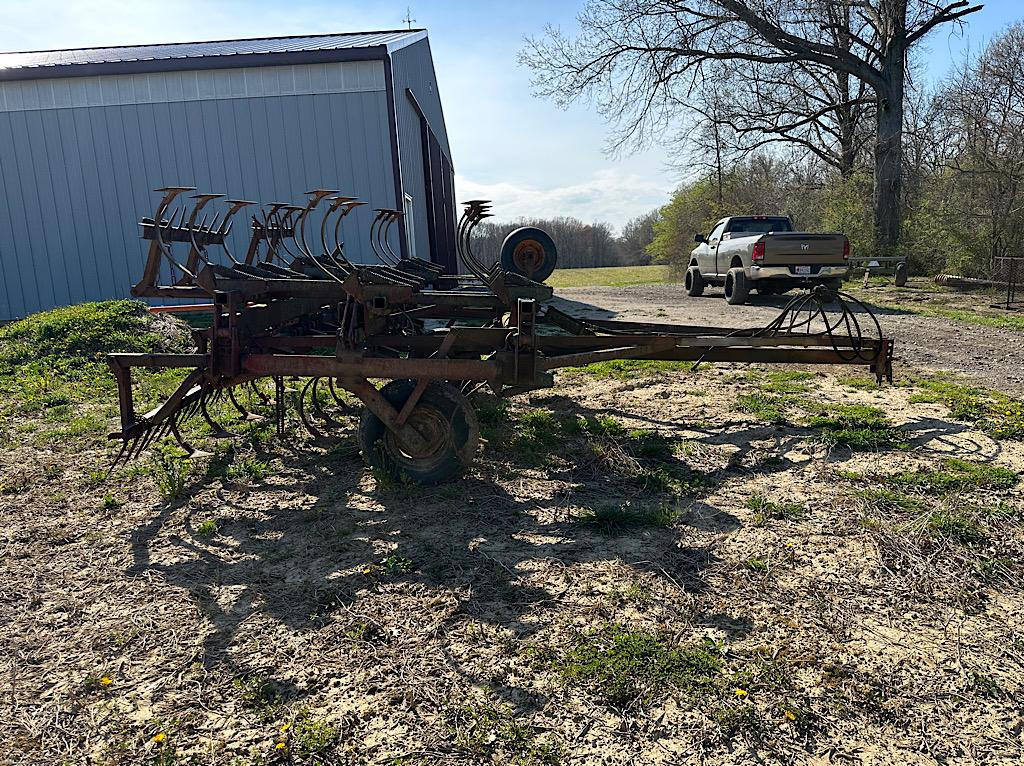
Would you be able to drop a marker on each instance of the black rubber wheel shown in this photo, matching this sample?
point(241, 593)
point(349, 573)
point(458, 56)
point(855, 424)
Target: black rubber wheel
point(443, 416)
point(736, 286)
point(835, 285)
point(901, 274)
point(693, 282)
point(529, 252)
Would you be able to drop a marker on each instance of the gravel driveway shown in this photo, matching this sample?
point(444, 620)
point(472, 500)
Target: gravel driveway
point(991, 356)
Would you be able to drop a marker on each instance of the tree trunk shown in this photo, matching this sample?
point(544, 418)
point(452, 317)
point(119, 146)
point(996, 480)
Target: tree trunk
point(889, 132)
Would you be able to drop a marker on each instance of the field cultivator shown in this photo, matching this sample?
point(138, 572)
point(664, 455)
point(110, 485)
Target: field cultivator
point(294, 307)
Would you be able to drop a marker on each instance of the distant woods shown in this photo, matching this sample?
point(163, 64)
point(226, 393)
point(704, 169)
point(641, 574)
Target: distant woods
point(817, 110)
point(580, 245)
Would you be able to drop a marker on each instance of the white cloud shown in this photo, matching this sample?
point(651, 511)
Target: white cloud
point(609, 194)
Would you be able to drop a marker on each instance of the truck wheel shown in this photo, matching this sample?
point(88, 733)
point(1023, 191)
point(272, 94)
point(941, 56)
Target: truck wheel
point(736, 286)
point(694, 282)
point(901, 274)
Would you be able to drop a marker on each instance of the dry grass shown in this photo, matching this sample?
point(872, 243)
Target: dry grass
point(631, 574)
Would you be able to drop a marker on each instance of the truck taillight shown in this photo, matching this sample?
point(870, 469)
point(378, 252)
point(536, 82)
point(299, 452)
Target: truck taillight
point(758, 252)
point(846, 249)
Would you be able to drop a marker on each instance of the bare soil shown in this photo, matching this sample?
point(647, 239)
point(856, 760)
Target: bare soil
point(332, 618)
point(989, 355)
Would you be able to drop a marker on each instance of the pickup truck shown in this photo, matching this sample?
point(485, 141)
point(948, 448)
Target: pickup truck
point(747, 251)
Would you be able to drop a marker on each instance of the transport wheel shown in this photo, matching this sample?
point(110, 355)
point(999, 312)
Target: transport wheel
point(736, 286)
point(901, 274)
point(529, 252)
point(693, 282)
point(445, 419)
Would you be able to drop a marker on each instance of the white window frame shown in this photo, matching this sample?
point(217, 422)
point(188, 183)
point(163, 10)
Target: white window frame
point(410, 226)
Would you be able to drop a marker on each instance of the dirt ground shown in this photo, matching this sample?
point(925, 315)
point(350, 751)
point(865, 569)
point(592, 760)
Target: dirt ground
point(990, 355)
point(289, 607)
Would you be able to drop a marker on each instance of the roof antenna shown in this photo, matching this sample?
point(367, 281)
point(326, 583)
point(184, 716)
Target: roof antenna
point(408, 17)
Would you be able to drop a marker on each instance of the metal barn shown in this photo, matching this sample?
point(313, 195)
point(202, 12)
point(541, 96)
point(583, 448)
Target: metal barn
point(86, 135)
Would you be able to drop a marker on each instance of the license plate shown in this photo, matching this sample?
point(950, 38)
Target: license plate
point(803, 269)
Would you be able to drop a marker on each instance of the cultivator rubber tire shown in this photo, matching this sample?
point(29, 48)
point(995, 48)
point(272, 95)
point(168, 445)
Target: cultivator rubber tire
point(693, 282)
point(901, 274)
point(736, 287)
point(443, 416)
point(529, 252)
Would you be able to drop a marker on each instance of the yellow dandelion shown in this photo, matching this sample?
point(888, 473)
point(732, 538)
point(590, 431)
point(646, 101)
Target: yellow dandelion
point(741, 692)
point(280, 746)
point(106, 681)
point(159, 737)
point(790, 715)
point(286, 727)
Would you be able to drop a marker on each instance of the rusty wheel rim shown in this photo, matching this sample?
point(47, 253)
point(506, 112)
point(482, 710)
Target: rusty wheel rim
point(529, 257)
point(436, 431)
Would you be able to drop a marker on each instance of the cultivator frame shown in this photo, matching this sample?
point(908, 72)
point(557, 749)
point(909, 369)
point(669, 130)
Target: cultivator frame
point(285, 311)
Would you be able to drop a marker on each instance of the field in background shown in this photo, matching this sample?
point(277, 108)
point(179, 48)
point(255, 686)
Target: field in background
point(609, 276)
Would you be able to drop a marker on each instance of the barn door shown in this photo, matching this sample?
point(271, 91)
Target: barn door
point(438, 179)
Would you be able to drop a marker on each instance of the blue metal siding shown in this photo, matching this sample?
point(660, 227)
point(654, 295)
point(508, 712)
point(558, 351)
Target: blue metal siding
point(413, 69)
point(76, 180)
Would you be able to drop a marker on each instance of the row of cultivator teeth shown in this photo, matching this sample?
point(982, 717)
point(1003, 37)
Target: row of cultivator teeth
point(311, 411)
point(285, 242)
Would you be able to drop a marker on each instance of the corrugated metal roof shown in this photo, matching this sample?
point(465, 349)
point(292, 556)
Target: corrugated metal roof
point(391, 39)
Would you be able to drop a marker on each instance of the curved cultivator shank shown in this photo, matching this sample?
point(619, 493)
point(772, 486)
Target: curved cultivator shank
point(295, 306)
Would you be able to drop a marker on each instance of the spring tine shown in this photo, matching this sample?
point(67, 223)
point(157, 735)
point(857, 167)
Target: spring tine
point(234, 402)
point(219, 431)
point(264, 399)
point(393, 215)
point(301, 407)
point(189, 449)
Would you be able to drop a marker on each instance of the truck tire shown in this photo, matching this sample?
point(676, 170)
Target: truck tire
point(901, 274)
point(736, 286)
point(693, 282)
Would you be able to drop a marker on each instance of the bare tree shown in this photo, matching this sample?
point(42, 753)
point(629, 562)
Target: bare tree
point(983, 107)
point(637, 60)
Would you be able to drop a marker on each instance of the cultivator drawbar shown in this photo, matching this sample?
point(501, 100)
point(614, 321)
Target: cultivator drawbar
point(295, 307)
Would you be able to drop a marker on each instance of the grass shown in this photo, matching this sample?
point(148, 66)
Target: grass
point(170, 469)
point(490, 730)
point(781, 381)
point(766, 509)
point(954, 476)
point(610, 276)
point(624, 668)
point(620, 519)
point(769, 408)
point(857, 426)
point(259, 695)
point(998, 415)
point(627, 369)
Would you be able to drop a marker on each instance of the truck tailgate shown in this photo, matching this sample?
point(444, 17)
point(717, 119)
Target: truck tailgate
point(796, 249)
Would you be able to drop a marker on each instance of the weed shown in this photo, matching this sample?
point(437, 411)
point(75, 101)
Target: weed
point(957, 526)
point(781, 381)
point(887, 500)
point(258, 694)
point(625, 668)
point(755, 564)
point(248, 470)
point(310, 739)
point(638, 594)
point(484, 728)
point(626, 369)
point(765, 407)
point(207, 528)
point(858, 382)
point(995, 413)
point(169, 468)
point(110, 503)
point(361, 631)
point(771, 510)
point(954, 476)
point(396, 565)
point(984, 685)
point(857, 426)
point(619, 519)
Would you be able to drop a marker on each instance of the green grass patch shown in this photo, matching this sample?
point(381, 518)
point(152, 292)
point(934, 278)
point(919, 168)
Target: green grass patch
point(857, 426)
point(955, 475)
point(492, 731)
point(624, 668)
point(998, 415)
point(626, 369)
point(957, 525)
point(610, 276)
point(766, 509)
point(769, 408)
point(620, 519)
point(859, 382)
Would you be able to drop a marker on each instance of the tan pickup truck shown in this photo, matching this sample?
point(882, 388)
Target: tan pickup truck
point(763, 252)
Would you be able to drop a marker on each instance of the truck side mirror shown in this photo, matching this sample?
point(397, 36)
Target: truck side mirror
point(700, 239)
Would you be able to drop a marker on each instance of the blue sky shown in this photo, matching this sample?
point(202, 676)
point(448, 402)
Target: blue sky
point(528, 156)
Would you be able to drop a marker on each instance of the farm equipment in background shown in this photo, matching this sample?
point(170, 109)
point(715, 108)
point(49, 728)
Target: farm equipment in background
point(294, 306)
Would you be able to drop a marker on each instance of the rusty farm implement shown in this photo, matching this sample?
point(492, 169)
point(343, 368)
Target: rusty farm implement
point(408, 341)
